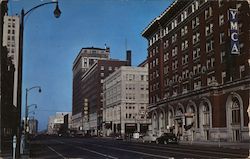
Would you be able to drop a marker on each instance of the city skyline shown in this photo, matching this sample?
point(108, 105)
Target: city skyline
point(53, 44)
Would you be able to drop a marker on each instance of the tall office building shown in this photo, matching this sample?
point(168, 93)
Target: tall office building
point(84, 60)
point(199, 74)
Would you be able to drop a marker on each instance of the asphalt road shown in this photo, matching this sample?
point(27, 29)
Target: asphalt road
point(103, 148)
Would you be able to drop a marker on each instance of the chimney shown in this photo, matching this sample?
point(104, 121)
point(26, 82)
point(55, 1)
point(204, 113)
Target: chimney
point(128, 57)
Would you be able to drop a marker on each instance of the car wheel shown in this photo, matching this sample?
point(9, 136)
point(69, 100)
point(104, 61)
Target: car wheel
point(157, 141)
point(165, 142)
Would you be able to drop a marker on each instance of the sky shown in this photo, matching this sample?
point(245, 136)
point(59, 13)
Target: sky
point(51, 44)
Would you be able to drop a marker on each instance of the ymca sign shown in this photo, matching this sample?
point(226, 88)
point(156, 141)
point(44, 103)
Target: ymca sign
point(234, 35)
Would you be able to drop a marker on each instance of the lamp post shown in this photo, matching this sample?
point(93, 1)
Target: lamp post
point(27, 110)
point(57, 14)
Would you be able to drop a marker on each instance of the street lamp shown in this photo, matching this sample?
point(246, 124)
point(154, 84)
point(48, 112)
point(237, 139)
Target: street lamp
point(32, 105)
point(27, 109)
point(57, 14)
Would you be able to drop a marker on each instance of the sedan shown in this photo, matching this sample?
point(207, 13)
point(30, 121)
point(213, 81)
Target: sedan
point(167, 138)
point(149, 138)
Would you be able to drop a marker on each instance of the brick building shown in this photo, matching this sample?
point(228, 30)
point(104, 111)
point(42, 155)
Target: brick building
point(199, 75)
point(87, 114)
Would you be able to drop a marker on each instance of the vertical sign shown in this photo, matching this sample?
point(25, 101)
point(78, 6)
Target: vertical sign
point(234, 35)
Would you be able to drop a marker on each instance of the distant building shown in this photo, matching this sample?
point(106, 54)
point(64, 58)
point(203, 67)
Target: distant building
point(56, 122)
point(33, 126)
point(125, 101)
point(199, 74)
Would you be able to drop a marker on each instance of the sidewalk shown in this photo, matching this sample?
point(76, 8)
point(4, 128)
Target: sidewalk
point(232, 145)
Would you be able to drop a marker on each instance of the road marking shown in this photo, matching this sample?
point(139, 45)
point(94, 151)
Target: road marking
point(109, 156)
point(60, 142)
point(141, 153)
point(56, 152)
point(101, 154)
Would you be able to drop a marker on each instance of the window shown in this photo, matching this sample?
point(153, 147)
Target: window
point(209, 29)
point(184, 45)
point(208, 12)
point(209, 46)
point(222, 56)
point(166, 44)
point(183, 15)
point(222, 38)
point(197, 84)
point(195, 6)
point(206, 114)
point(165, 31)
point(184, 30)
point(235, 111)
point(221, 19)
point(102, 74)
point(195, 22)
point(110, 68)
point(174, 23)
point(174, 38)
point(242, 69)
point(220, 2)
point(196, 53)
point(142, 77)
point(223, 76)
point(175, 64)
point(102, 68)
point(185, 59)
point(174, 51)
point(210, 80)
point(196, 37)
point(166, 54)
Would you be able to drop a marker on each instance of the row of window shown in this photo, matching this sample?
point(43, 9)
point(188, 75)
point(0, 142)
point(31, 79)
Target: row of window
point(195, 22)
point(177, 20)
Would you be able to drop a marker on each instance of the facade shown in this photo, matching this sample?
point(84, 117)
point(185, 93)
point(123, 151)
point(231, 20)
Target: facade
point(198, 55)
point(85, 59)
point(88, 117)
point(55, 122)
point(8, 112)
point(11, 31)
point(125, 101)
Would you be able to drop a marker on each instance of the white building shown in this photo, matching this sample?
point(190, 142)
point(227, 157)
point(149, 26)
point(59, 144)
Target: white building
point(56, 121)
point(11, 30)
point(126, 101)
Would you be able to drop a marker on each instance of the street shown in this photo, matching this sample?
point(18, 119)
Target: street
point(92, 148)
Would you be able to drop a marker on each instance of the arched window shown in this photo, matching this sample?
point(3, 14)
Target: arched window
point(206, 113)
point(235, 111)
point(161, 121)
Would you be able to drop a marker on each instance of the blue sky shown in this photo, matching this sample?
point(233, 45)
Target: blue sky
point(51, 45)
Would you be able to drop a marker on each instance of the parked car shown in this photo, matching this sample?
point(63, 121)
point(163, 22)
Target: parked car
point(149, 138)
point(167, 138)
